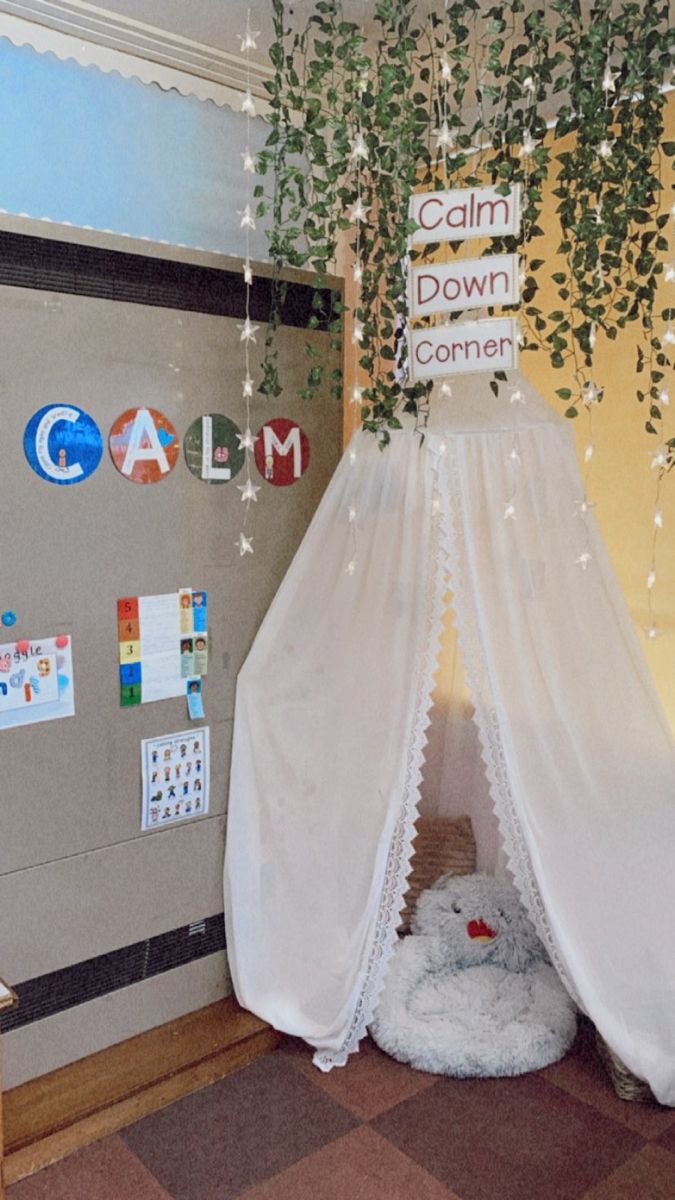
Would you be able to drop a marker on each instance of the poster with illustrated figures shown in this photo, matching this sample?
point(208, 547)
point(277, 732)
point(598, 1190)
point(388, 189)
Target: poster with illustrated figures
point(175, 775)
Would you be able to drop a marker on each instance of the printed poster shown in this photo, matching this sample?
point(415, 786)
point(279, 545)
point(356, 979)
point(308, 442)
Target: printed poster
point(163, 641)
point(175, 777)
point(36, 681)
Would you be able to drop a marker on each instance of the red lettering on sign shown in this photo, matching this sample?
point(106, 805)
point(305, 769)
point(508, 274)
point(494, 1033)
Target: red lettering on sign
point(421, 214)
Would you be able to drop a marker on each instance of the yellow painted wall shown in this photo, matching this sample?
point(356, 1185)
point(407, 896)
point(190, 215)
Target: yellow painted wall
point(622, 482)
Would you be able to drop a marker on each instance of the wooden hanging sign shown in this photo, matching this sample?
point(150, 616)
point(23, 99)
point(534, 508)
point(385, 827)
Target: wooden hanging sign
point(464, 213)
point(463, 347)
point(463, 284)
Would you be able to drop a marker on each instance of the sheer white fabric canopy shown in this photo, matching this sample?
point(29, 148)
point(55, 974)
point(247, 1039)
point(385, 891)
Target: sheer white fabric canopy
point(332, 708)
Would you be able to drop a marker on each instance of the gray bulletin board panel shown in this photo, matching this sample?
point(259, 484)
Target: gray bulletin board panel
point(77, 877)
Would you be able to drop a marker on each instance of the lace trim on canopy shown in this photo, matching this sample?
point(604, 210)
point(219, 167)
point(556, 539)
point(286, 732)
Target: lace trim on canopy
point(454, 529)
point(400, 853)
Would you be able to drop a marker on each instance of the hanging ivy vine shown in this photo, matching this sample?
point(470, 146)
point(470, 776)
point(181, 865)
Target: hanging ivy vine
point(518, 93)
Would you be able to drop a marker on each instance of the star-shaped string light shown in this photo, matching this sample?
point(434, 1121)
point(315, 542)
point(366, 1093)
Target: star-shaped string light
point(247, 218)
point(248, 105)
point(445, 138)
point(249, 491)
point(605, 148)
point(248, 40)
point(359, 149)
point(244, 544)
point(248, 160)
point(248, 331)
point(609, 80)
point(246, 440)
point(358, 211)
point(591, 393)
point(529, 145)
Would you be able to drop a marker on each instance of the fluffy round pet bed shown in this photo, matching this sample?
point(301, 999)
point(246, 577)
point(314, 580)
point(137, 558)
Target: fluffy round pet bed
point(471, 993)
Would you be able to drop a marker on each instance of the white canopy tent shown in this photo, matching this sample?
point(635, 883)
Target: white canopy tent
point(332, 712)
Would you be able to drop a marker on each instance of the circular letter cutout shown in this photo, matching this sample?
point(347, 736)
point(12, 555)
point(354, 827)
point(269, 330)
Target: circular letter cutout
point(144, 445)
point(63, 444)
point(281, 452)
point(211, 448)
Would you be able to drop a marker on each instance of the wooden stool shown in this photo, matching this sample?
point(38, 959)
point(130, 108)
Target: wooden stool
point(7, 1000)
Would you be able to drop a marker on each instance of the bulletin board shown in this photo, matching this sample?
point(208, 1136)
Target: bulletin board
point(105, 331)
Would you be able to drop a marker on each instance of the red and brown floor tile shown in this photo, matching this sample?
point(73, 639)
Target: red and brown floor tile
point(508, 1139)
point(215, 1144)
point(107, 1170)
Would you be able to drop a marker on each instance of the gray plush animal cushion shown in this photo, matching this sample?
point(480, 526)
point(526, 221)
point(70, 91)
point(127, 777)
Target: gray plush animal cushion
point(471, 991)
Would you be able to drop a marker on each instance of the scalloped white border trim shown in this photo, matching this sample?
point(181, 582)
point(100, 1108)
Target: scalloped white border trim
point(202, 71)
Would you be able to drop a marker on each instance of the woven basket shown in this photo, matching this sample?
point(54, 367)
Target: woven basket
point(442, 846)
point(626, 1085)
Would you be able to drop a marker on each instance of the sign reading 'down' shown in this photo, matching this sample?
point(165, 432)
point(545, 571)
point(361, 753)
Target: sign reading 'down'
point(462, 348)
point(465, 283)
point(464, 213)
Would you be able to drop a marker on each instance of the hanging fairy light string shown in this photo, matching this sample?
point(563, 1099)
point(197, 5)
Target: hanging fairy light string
point(247, 330)
point(517, 400)
point(445, 143)
point(358, 215)
point(661, 462)
point(591, 394)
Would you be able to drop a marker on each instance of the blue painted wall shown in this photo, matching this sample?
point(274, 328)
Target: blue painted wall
point(90, 148)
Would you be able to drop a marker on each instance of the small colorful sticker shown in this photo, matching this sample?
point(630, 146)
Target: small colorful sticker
point(144, 445)
point(281, 452)
point(8, 618)
point(212, 450)
point(201, 655)
point(187, 657)
point(63, 444)
point(186, 610)
point(199, 612)
point(195, 701)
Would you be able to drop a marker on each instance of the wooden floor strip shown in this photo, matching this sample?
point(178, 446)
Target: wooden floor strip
point(52, 1116)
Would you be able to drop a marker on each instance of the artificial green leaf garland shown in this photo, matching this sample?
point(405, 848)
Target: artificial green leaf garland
point(515, 93)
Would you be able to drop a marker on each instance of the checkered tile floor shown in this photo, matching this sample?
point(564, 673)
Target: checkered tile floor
point(280, 1130)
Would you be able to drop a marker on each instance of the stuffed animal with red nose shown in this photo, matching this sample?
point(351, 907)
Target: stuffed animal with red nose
point(471, 991)
point(479, 919)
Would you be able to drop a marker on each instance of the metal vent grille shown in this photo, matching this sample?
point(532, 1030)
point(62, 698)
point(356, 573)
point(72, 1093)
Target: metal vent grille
point(46, 265)
point(59, 990)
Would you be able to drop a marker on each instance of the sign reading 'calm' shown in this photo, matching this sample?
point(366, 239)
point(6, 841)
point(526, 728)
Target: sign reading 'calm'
point(464, 213)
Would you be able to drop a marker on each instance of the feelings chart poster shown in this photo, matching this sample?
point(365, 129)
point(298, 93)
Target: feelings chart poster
point(36, 681)
point(163, 644)
point(175, 773)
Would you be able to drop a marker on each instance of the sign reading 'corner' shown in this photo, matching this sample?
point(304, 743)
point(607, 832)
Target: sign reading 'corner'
point(462, 348)
point(464, 213)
